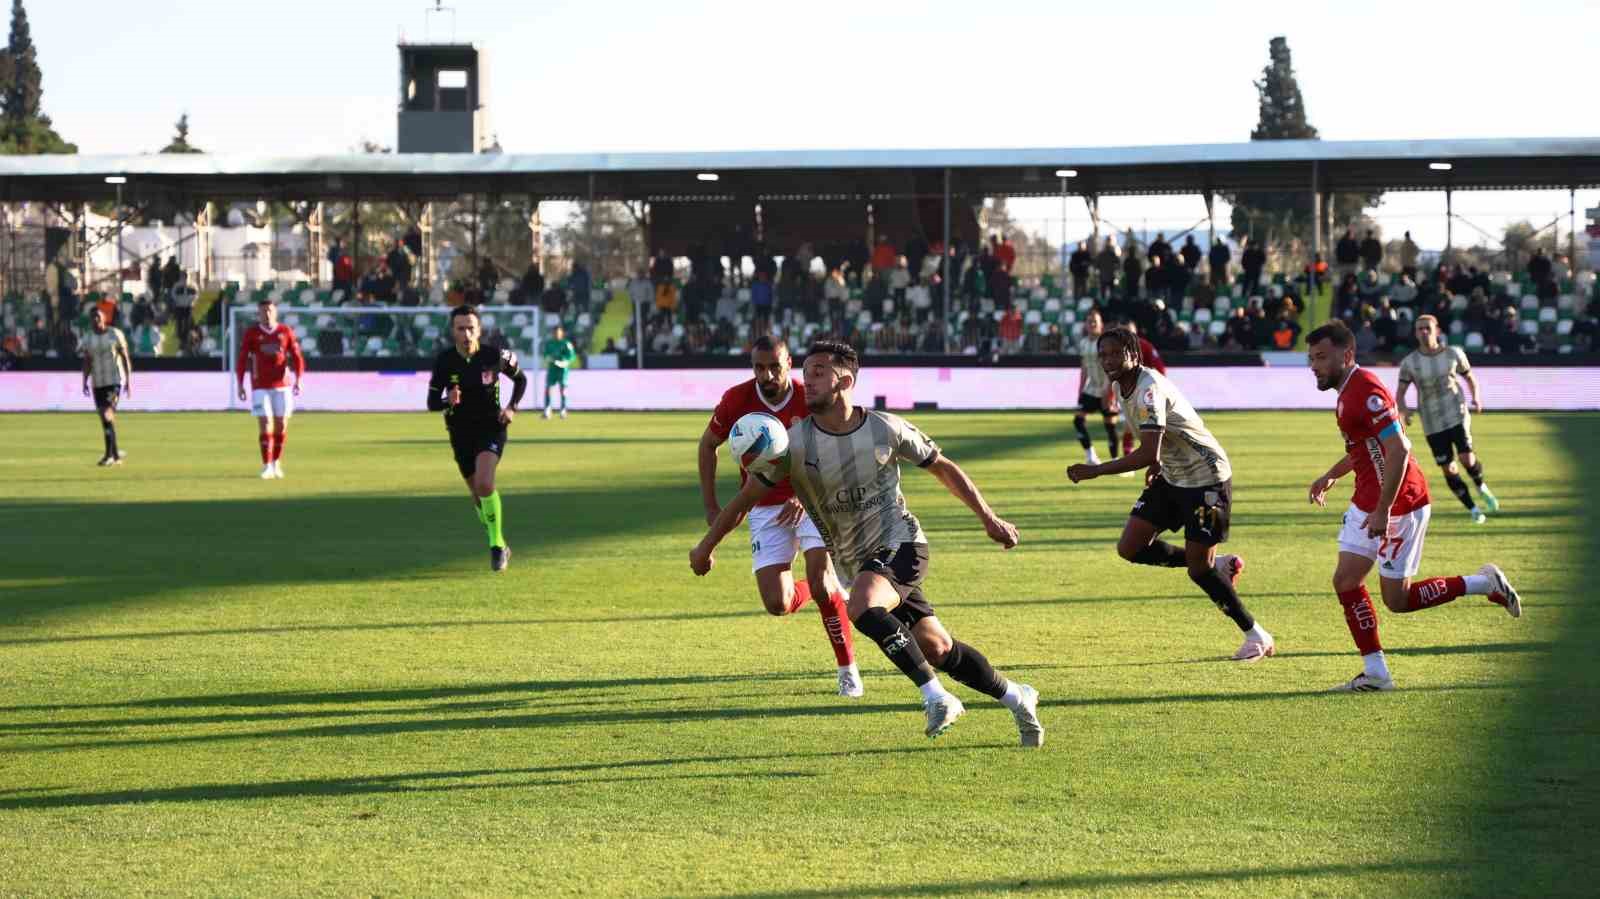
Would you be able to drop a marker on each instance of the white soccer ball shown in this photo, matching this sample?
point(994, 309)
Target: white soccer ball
point(758, 441)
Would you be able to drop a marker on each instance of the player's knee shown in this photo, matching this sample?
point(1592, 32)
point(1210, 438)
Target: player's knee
point(1395, 601)
point(1450, 468)
point(1128, 550)
point(1344, 583)
point(934, 647)
point(775, 601)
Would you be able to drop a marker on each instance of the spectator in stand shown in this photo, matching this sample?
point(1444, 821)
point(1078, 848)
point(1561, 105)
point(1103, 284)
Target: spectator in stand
point(1006, 253)
point(1000, 287)
point(641, 293)
point(883, 257)
point(835, 292)
point(666, 304)
point(532, 284)
point(344, 273)
point(1160, 249)
point(1478, 312)
point(1404, 293)
point(1459, 282)
point(1051, 342)
point(1177, 282)
point(1155, 278)
point(1286, 330)
point(1316, 272)
point(916, 252)
point(1366, 338)
point(1251, 263)
point(1204, 295)
point(661, 267)
point(1239, 335)
point(1586, 328)
point(553, 301)
point(1509, 338)
point(1386, 326)
point(386, 285)
point(1011, 330)
point(1132, 275)
point(1219, 256)
point(1540, 269)
point(1410, 253)
point(1106, 262)
point(760, 303)
point(899, 281)
point(933, 337)
point(1371, 252)
point(152, 279)
point(38, 337)
point(1261, 326)
point(791, 279)
point(1347, 254)
point(400, 266)
point(1347, 298)
point(1479, 280)
point(1078, 264)
point(171, 275)
point(987, 260)
point(857, 256)
point(1190, 254)
point(580, 286)
point(183, 300)
point(146, 340)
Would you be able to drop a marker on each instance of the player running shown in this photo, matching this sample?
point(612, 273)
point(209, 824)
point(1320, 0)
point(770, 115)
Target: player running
point(465, 386)
point(844, 465)
point(1092, 393)
point(560, 354)
point(1388, 516)
point(1190, 485)
point(107, 365)
point(1148, 356)
point(264, 354)
point(778, 525)
point(1434, 368)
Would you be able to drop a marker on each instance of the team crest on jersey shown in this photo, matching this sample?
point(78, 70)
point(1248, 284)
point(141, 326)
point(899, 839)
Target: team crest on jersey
point(1211, 497)
point(488, 377)
point(882, 454)
point(1375, 403)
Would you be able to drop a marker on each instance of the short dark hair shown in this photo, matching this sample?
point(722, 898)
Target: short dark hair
point(462, 310)
point(766, 344)
point(1336, 331)
point(844, 355)
point(1125, 341)
point(267, 301)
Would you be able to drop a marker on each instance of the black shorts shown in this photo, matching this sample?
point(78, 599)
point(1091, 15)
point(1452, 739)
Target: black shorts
point(468, 443)
point(1092, 405)
point(1202, 512)
point(904, 568)
point(1448, 442)
point(107, 397)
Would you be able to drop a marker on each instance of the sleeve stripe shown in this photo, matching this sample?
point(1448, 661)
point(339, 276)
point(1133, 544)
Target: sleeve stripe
point(1393, 428)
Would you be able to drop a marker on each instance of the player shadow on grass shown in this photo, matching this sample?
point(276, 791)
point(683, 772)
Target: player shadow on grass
point(218, 544)
point(467, 779)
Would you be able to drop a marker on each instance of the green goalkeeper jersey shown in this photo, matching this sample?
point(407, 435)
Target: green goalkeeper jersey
point(559, 353)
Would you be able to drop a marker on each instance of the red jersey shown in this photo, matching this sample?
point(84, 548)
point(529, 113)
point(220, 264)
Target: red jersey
point(265, 356)
point(1147, 352)
point(1365, 413)
point(745, 398)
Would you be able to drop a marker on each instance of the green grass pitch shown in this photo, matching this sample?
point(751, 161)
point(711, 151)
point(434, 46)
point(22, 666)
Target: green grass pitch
point(215, 685)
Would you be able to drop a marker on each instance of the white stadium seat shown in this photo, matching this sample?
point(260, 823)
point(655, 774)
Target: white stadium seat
point(1474, 340)
point(1547, 314)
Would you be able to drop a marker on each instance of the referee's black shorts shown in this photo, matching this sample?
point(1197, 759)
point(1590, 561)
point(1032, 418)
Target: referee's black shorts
point(468, 442)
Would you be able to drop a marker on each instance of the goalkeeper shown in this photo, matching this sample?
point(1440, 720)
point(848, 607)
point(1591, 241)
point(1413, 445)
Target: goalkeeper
point(560, 354)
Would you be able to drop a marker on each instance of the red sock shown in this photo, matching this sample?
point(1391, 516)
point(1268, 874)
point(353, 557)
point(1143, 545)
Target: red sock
point(837, 624)
point(266, 448)
point(1362, 619)
point(277, 444)
point(1435, 591)
point(802, 595)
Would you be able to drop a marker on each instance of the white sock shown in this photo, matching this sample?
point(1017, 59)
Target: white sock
point(933, 690)
point(1478, 584)
point(850, 668)
point(1257, 632)
point(1013, 696)
point(1375, 665)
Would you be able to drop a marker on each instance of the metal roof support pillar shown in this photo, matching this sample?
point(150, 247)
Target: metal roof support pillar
point(1211, 216)
point(1449, 225)
point(945, 283)
point(1316, 208)
point(1327, 220)
point(355, 233)
point(1572, 232)
point(474, 245)
point(1093, 202)
point(594, 263)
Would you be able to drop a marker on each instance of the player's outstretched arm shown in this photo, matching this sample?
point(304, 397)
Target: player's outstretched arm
point(1148, 454)
point(1400, 396)
point(700, 558)
point(709, 441)
point(1472, 387)
point(961, 487)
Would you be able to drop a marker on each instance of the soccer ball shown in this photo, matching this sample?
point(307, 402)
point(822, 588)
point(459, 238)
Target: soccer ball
point(758, 441)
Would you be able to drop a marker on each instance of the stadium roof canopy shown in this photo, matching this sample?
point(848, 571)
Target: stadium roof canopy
point(1333, 166)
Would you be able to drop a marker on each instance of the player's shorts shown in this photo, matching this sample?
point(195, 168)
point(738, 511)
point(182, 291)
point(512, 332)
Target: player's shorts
point(554, 375)
point(274, 401)
point(107, 397)
point(1091, 405)
point(1202, 512)
point(904, 567)
point(1398, 555)
point(774, 544)
point(1449, 442)
point(469, 442)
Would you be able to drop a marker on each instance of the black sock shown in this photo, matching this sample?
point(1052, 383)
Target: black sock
point(1111, 435)
point(896, 642)
point(1475, 470)
point(968, 666)
point(1459, 488)
point(1226, 598)
point(109, 431)
point(1080, 423)
point(1160, 554)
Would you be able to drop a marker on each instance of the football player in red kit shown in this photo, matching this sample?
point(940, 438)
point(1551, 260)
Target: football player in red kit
point(265, 354)
point(1388, 516)
point(778, 526)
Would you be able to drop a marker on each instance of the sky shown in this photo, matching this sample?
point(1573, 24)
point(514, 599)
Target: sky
point(295, 77)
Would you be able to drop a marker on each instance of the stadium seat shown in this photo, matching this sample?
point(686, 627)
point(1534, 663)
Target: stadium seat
point(1530, 303)
point(1084, 305)
point(520, 319)
point(307, 296)
point(1474, 340)
point(1033, 317)
point(1564, 327)
point(1547, 314)
point(1052, 305)
point(374, 344)
point(1458, 304)
point(1529, 327)
point(1218, 328)
point(1202, 316)
point(488, 320)
point(585, 321)
point(1565, 348)
point(1567, 302)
